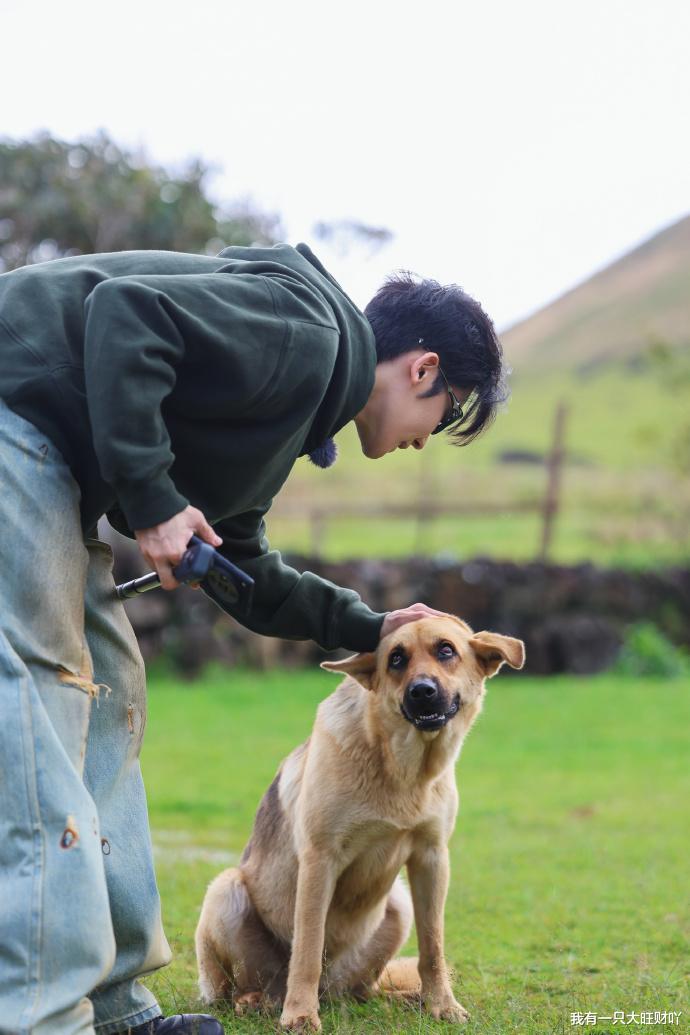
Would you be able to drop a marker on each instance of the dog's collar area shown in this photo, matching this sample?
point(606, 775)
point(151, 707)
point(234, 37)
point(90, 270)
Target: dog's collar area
point(432, 720)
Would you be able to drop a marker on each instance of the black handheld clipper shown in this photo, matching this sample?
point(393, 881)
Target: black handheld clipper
point(220, 578)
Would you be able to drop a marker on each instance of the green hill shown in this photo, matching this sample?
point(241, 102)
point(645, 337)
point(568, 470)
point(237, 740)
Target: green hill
point(641, 299)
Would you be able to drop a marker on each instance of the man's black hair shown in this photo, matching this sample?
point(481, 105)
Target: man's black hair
point(454, 325)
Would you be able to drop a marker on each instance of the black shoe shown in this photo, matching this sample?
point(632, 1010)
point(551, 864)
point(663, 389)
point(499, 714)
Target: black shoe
point(179, 1024)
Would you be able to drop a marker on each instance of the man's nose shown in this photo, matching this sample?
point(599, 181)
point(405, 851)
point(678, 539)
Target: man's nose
point(419, 443)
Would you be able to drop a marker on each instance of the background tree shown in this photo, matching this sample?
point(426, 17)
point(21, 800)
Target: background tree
point(345, 235)
point(59, 198)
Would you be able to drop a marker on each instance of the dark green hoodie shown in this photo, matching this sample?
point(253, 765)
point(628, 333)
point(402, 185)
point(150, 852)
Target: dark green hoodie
point(166, 379)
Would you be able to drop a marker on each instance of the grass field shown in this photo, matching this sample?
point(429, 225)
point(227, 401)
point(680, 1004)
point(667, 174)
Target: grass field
point(570, 874)
point(624, 499)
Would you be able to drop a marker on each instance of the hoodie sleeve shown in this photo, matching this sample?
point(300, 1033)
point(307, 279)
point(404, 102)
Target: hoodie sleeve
point(290, 604)
point(139, 331)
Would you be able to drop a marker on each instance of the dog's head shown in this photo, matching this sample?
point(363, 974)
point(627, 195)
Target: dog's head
point(432, 670)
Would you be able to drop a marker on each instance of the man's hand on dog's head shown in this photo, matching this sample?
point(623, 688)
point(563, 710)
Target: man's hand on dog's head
point(413, 613)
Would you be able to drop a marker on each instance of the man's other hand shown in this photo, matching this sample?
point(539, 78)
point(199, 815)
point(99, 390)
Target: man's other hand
point(394, 619)
point(163, 545)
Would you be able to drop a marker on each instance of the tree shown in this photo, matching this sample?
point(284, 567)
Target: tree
point(59, 198)
point(347, 234)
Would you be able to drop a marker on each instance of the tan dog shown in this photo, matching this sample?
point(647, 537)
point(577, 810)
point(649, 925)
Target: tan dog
point(316, 903)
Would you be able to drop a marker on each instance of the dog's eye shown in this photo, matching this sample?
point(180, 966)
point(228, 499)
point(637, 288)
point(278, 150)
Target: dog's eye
point(397, 659)
point(445, 651)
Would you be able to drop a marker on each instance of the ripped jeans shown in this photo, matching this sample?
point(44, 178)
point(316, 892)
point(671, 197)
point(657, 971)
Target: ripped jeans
point(79, 908)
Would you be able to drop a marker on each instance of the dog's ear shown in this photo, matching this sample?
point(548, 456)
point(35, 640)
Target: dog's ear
point(361, 667)
point(492, 650)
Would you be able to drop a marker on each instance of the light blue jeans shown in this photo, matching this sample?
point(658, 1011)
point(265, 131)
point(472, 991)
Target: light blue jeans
point(79, 908)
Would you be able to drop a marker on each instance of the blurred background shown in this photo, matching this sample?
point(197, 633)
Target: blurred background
point(535, 153)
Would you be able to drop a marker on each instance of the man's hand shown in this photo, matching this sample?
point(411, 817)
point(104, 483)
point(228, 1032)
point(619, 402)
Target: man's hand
point(394, 619)
point(164, 545)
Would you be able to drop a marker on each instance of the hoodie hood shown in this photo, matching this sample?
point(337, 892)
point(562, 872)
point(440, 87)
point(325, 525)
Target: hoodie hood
point(353, 375)
point(352, 378)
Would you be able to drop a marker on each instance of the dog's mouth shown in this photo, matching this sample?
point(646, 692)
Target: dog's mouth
point(432, 720)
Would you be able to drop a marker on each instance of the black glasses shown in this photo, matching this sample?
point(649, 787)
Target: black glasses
point(455, 413)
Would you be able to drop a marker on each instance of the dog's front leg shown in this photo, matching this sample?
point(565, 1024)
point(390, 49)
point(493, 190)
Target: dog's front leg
point(315, 884)
point(428, 871)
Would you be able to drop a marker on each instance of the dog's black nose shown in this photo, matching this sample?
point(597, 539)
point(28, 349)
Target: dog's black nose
point(422, 697)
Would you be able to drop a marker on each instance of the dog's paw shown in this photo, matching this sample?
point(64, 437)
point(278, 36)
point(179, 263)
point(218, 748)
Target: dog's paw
point(447, 1009)
point(249, 1002)
point(300, 1017)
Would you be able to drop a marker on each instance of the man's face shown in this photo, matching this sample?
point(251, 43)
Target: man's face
point(397, 415)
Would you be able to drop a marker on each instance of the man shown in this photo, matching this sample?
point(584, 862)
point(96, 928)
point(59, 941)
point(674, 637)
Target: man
point(174, 393)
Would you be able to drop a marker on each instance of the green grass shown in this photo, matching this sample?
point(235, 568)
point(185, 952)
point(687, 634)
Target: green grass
point(569, 883)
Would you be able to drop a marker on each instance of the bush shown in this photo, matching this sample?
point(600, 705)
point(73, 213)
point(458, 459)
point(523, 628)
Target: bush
point(646, 651)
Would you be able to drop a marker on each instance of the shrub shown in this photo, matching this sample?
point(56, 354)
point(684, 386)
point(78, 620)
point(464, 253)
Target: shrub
point(646, 651)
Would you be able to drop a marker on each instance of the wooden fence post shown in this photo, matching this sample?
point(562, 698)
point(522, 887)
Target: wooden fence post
point(553, 481)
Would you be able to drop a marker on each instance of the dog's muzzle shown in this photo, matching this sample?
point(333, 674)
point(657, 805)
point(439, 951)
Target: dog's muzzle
point(425, 705)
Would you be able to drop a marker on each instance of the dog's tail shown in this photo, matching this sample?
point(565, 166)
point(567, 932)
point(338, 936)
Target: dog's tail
point(401, 977)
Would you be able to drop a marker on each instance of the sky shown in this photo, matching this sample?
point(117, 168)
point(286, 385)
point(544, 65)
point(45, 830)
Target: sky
point(511, 147)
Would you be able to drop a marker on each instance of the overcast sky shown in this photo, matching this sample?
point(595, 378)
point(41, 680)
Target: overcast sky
point(512, 147)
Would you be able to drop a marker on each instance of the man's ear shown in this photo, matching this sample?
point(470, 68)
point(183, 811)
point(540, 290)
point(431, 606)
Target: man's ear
point(424, 368)
point(492, 650)
point(361, 667)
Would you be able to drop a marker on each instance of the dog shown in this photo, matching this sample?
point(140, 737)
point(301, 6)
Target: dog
point(316, 904)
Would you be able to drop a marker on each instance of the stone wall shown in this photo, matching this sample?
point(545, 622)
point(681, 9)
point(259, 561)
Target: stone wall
point(572, 619)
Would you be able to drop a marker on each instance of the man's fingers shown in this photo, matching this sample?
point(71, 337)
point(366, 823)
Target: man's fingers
point(413, 613)
point(164, 545)
point(163, 567)
point(205, 532)
point(168, 580)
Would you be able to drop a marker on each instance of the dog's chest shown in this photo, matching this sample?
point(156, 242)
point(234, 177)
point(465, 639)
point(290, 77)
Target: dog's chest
point(373, 856)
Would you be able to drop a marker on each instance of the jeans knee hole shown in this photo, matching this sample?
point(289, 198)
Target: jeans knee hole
point(70, 834)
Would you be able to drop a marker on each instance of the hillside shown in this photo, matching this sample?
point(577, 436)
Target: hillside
point(642, 298)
